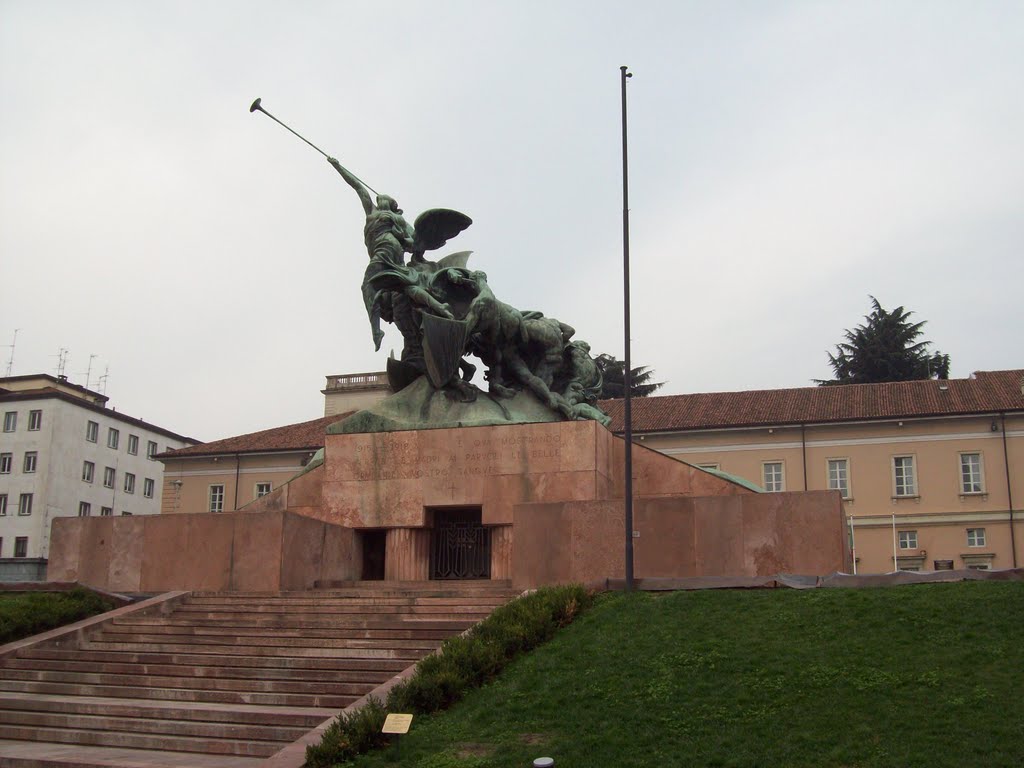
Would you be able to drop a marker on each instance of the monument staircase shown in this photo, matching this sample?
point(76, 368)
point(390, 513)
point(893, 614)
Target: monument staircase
point(226, 679)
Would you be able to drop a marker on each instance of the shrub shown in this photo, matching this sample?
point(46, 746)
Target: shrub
point(464, 663)
point(349, 736)
point(23, 614)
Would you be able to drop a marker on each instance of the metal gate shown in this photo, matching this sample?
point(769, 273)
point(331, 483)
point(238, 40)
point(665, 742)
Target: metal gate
point(461, 546)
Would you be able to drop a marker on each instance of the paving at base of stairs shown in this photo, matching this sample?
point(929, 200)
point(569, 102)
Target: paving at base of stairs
point(225, 679)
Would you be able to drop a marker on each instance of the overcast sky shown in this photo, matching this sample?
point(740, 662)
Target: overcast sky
point(787, 159)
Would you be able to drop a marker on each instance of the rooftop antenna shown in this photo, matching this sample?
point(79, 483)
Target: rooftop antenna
point(10, 360)
point(102, 387)
point(62, 362)
point(88, 371)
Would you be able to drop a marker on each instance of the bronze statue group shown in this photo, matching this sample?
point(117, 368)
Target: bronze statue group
point(446, 311)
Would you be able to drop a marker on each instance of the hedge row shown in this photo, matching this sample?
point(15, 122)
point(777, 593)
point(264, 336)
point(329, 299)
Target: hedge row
point(465, 662)
point(23, 614)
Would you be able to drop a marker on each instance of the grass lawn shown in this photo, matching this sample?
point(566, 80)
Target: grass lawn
point(927, 675)
point(23, 614)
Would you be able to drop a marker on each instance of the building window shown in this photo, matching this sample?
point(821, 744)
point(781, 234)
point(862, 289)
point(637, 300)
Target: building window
point(908, 539)
point(29, 465)
point(88, 471)
point(25, 504)
point(6, 460)
point(715, 467)
point(771, 471)
point(108, 477)
point(3, 504)
point(35, 421)
point(125, 513)
point(129, 482)
point(216, 498)
point(150, 449)
point(92, 431)
point(903, 475)
point(84, 509)
point(970, 473)
point(148, 486)
point(113, 438)
point(839, 476)
point(977, 567)
point(10, 421)
point(21, 546)
point(975, 537)
point(106, 511)
point(133, 445)
point(262, 489)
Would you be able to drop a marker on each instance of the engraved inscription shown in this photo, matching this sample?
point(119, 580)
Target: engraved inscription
point(397, 458)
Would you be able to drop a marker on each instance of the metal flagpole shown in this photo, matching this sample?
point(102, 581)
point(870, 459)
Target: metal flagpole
point(895, 560)
point(626, 382)
point(853, 546)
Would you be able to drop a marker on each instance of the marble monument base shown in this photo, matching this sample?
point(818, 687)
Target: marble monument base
point(534, 503)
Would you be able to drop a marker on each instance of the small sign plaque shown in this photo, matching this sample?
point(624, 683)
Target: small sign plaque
point(397, 724)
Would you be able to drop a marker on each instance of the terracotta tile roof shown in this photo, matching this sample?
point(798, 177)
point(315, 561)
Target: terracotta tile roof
point(304, 436)
point(984, 392)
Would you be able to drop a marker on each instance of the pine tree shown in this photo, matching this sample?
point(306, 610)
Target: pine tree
point(614, 373)
point(885, 348)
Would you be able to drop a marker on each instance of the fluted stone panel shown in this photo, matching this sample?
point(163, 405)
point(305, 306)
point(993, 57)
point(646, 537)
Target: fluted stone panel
point(501, 552)
point(407, 554)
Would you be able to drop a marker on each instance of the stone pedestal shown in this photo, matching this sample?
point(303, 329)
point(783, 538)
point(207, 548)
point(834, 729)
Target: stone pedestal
point(547, 498)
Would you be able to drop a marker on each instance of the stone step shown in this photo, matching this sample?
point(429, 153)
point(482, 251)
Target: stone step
point(367, 601)
point(289, 650)
point(329, 664)
point(34, 754)
point(148, 725)
point(248, 610)
point(326, 701)
point(248, 685)
point(459, 585)
point(79, 736)
point(126, 631)
point(294, 717)
point(265, 640)
point(344, 587)
point(185, 670)
point(298, 622)
point(224, 679)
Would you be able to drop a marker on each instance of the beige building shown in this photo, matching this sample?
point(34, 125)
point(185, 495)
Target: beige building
point(225, 475)
point(932, 472)
point(348, 392)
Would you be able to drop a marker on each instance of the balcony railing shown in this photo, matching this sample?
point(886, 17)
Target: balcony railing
point(376, 380)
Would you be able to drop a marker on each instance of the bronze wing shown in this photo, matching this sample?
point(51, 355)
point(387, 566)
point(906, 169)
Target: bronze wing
point(437, 226)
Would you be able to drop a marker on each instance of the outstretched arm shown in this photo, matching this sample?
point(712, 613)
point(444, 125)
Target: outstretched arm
point(352, 181)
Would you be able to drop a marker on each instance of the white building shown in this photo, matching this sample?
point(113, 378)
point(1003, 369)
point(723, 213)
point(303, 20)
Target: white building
point(64, 453)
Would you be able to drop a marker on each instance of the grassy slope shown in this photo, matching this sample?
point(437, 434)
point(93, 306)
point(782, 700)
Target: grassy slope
point(925, 675)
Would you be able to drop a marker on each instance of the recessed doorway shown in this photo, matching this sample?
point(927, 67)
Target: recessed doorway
point(460, 545)
point(374, 546)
